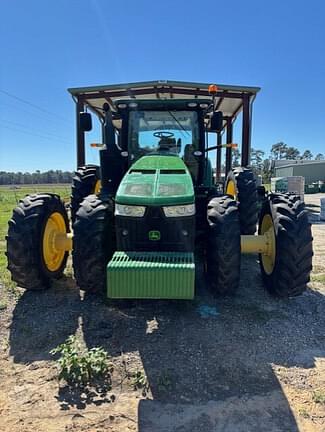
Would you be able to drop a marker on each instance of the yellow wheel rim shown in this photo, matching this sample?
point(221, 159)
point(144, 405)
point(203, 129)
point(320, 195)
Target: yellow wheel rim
point(98, 185)
point(52, 256)
point(268, 260)
point(231, 188)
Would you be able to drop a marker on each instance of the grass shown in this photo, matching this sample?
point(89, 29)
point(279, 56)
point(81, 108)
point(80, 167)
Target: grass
point(319, 396)
point(304, 413)
point(9, 198)
point(318, 278)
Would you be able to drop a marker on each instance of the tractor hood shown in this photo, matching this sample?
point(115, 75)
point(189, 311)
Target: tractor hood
point(156, 180)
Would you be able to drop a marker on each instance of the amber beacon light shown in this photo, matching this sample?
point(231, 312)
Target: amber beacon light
point(213, 88)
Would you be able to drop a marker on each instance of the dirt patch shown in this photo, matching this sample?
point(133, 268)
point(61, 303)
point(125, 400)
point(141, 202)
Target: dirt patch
point(254, 364)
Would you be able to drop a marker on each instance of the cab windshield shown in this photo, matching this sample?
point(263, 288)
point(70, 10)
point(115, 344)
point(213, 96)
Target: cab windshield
point(165, 132)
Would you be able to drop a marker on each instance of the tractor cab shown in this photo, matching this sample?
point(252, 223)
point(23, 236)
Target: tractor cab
point(168, 127)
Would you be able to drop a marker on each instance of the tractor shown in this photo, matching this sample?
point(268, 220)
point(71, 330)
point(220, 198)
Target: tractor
point(142, 222)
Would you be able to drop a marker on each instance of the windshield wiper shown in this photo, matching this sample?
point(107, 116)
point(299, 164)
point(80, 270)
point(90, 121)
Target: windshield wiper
point(180, 125)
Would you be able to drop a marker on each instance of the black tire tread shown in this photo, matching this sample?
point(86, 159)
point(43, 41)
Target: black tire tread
point(247, 198)
point(294, 249)
point(223, 245)
point(83, 184)
point(94, 243)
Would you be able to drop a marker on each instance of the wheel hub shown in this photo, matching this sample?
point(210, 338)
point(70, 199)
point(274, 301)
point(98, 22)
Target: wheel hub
point(97, 187)
point(231, 189)
point(268, 257)
point(53, 254)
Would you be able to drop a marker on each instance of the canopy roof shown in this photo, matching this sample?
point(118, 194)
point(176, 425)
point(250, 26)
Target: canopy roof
point(229, 99)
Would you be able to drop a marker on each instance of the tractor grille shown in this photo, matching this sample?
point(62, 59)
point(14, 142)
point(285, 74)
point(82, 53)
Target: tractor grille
point(176, 234)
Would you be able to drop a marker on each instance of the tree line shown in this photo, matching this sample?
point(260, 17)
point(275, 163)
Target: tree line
point(37, 177)
point(260, 164)
point(264, 166)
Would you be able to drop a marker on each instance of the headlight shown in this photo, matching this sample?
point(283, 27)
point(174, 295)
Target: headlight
point(129, 210)
point(177, 211)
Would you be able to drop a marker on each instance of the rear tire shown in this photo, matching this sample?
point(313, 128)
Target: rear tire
point(25, 248)
point(93, 243)
point(246, 196)
point(223, 245)
point(293, 252)
point(84, 183)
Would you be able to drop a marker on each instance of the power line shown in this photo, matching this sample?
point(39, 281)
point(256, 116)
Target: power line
point(34, 134)
point(20, 125)
point(31, 112)
point(33, 105)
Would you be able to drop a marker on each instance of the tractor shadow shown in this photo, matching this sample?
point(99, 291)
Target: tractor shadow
point(208, 371)
point(42, 320)
point(214, 371)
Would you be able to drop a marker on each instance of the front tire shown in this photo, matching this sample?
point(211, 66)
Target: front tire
point(287, 273)
point(33, 259)
point(223, 245)
point(93, 243)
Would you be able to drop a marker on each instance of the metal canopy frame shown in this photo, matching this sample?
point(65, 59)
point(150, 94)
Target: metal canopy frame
point(231, 100)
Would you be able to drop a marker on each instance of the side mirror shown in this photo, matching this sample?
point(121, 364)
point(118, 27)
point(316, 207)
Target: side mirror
point(216, 122)
point(85, 122)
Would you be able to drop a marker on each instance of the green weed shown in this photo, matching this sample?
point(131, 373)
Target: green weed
point(77, 366)
point(318, 278)
point(304, 413)
point(319, 396)
point(139, 380)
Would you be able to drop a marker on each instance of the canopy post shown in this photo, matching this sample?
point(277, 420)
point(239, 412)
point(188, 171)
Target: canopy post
point(245, 155)
point(218, 157)
point(80, 135)
point(228, 148)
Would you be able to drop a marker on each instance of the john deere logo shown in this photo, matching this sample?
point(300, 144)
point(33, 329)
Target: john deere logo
point(154, 235)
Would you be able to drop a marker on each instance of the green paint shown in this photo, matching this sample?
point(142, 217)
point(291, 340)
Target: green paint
point(154, 235)
point(159, 162)
point(148, 182)
point(154, 275)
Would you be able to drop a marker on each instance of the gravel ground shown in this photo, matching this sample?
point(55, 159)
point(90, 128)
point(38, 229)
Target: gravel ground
point(249, 363)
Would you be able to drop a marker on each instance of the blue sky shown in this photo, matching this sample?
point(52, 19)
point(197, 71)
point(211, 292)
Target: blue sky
point(48, 46)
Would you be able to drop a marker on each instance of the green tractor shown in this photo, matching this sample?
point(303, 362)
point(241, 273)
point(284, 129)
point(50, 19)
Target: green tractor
point(155, 210)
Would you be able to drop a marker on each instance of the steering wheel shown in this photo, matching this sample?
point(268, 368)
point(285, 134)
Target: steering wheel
point(163, 134)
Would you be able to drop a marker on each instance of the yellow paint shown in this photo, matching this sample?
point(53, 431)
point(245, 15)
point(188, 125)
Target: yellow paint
point(268, 258)
point(231, 189)
point(63, 241)
point(52, 255)
point(253, 244)
point(264, 244)
point(98, 186)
